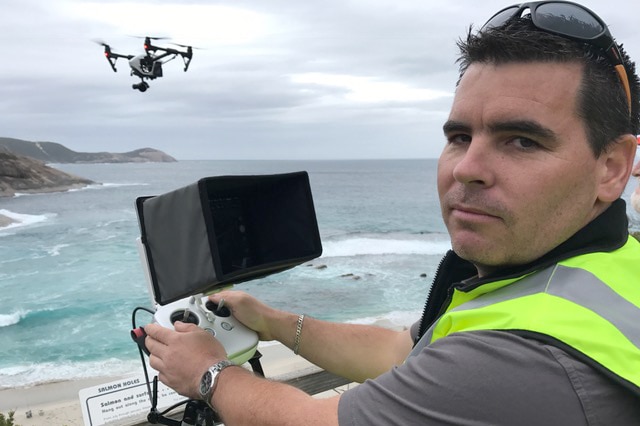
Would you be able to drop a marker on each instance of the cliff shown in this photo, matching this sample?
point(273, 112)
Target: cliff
point(27, 175)
point(51, 152)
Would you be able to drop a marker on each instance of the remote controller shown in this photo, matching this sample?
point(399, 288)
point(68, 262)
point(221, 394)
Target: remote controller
point(239, 341)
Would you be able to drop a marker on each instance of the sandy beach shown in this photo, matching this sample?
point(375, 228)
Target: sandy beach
point(58, 404)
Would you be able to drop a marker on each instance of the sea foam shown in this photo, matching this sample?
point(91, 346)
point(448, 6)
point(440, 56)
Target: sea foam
point(48, 372)
point(22, 219)
point(11, 319)
point(379, 246)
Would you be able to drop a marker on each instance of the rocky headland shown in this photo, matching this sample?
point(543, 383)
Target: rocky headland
point(27, 175)
point(24, 169)
point(52, 152)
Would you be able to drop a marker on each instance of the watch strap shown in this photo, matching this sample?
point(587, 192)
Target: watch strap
point(214, 371)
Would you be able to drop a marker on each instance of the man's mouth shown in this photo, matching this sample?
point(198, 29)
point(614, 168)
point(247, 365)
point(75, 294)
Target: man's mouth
point(472, 213)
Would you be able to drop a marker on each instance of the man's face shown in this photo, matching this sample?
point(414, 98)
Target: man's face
point(517, 176)
point(635, 195)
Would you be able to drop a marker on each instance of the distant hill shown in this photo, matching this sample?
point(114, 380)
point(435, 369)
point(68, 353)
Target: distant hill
point(51, 152)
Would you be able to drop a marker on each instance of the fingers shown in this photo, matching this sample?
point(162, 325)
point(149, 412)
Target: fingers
point(169, 349)
point(159, 337)
point(227, 295)
point(158, 333)
point(164, 335)
point(183, 327)
point(180, 356)
point(156, 341)
point(235, 300)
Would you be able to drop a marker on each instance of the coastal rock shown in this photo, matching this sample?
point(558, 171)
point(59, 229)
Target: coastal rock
point(27, 175)
point(5, 221)
point(352, 276)
point(51, 152)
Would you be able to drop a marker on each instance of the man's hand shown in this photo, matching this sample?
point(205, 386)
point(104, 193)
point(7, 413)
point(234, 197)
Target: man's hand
point(249, 311)
point(182, 356)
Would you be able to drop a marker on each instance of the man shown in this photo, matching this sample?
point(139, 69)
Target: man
point(534, 316)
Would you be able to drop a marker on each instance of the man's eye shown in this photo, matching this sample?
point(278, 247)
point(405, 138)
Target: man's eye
point(459, 138)
point(524, 143)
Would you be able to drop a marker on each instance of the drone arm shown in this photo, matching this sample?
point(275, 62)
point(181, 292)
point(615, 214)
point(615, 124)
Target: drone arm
point(163, 55)
point(113, 57)
point(187, 61)
point(167, 51)
point(186, 57)
point(112, 62)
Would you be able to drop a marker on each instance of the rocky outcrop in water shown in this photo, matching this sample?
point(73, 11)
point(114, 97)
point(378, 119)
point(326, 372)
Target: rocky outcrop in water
point(26, 175)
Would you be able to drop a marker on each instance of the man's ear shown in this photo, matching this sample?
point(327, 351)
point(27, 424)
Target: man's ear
point(616, 164)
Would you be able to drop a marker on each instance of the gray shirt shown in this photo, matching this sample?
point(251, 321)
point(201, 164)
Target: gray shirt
point(489, 378)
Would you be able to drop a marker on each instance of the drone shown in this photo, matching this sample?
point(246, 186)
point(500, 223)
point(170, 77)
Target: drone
point(149, 64)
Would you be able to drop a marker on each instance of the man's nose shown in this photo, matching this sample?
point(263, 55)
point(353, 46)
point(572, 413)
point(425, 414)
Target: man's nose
point(477, 164)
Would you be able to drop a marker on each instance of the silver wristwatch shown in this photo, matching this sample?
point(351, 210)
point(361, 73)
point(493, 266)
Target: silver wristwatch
point(209, 380)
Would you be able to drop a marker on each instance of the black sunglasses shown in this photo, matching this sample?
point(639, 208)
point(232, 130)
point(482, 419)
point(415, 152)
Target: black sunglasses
point(572, 21)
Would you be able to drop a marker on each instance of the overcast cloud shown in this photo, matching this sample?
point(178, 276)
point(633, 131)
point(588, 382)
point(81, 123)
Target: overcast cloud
point(271, 79)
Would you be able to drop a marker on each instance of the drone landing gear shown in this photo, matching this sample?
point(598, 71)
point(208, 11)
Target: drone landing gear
point(142, 86)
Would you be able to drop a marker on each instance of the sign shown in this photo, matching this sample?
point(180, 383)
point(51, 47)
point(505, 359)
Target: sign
point(123, 402)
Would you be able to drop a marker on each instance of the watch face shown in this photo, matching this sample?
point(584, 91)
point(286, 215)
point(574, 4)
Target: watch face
point(205, 383)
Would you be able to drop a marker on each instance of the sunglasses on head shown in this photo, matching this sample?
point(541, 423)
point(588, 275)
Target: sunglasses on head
point(572, 21)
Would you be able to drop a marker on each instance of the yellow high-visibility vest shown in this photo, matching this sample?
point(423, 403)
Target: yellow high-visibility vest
point(589, 303)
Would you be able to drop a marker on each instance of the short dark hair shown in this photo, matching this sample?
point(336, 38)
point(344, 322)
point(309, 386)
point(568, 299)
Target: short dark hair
point(602, 102)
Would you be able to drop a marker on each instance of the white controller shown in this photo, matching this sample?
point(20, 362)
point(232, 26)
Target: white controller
point(239, 341)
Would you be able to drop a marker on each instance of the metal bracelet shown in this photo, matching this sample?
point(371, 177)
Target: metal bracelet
point(296, 341)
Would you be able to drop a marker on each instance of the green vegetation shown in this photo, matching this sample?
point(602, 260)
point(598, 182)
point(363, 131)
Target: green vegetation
point(8, 420)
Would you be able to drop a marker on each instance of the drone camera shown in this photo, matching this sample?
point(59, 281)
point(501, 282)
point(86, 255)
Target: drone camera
point(142, 86)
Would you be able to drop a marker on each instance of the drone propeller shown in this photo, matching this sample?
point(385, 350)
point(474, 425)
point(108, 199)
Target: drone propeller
point(111, 56)
point(100, 42)
point(150, 38)
point(184, 46)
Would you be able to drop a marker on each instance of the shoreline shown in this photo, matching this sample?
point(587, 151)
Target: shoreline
point(11, 192)
point(55, 403)
point(58, 403)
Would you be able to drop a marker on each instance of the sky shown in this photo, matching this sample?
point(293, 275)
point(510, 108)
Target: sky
point(270, 79)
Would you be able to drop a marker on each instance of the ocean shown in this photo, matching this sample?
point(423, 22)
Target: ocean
point(70, 275)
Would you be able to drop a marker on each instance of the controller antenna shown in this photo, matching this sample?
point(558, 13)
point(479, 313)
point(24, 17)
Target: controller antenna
point(154, 416)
